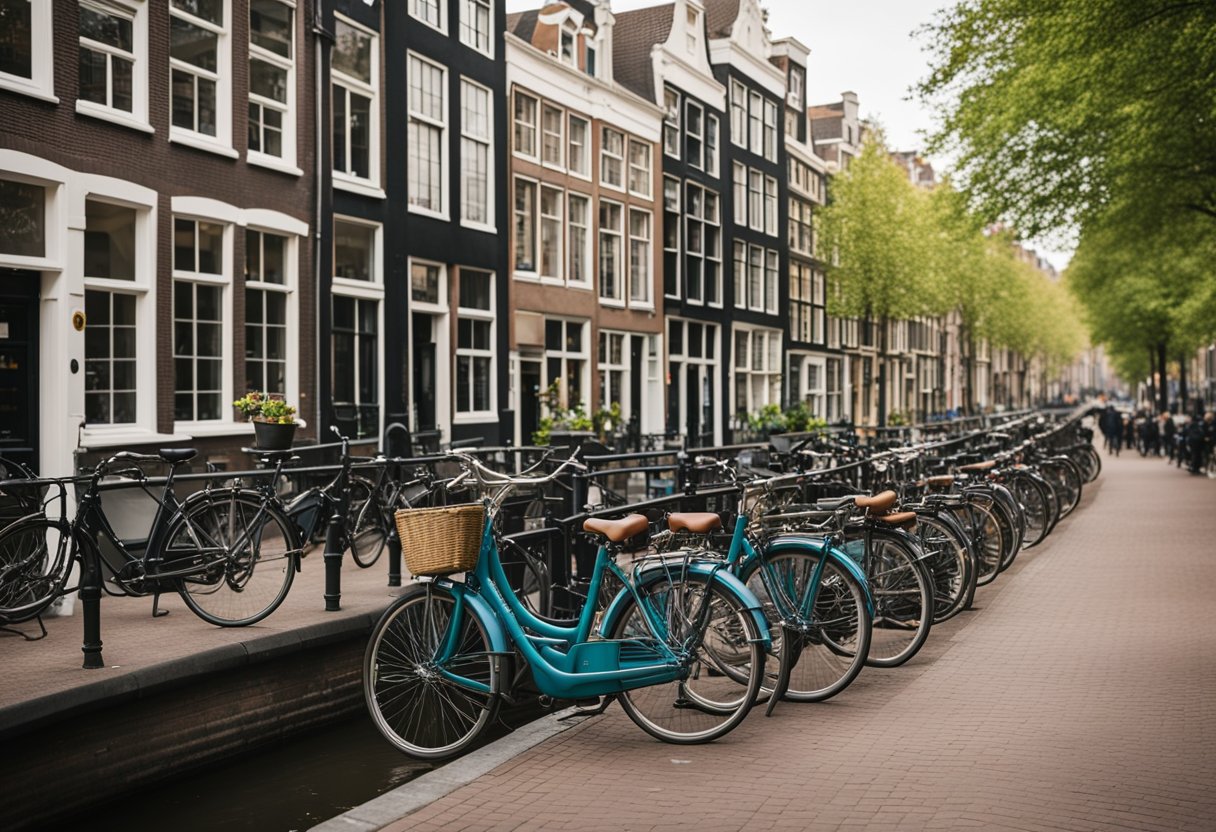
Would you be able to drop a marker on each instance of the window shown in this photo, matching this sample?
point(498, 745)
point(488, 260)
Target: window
point(835, 388)
point(755, 199)
point(525, 124)
point(426, 137)
point(566, 359)
point(692, 375)
point(580, 147)
point(551, 201)
point(614, 371)
point(476, 133)
point(358, 290)
point(800, 302)
point(426, 283)
point(589, 50)
point(111, 297)
point(356, 113)
point(671, 237)
point(475, 18)
point(23, 232)
point(199, 64)
point(199, 278)
point(755, 278)
point(271, 79)
point(612, 159)
point(639, 256)
point(738, 113)
point(794, 93)
point(475, 343)
point(695, 135)
point(711, 145)
point(267, 291)
point(703, 258)
point(770, 206)
point(429, 12)
point(107, 56)
point(741, 274)
point(690, 34)
point(611, 231)
point(756, 122)
point(800, 226)
point(757, 370)
point(740, 194)
point(639, 168)
point(770, 131)
point(565, 52)
point(671, 122)
point(26, 48)
point(551, 145)
point(525, 226)
point(772, 274)
point(580, 239)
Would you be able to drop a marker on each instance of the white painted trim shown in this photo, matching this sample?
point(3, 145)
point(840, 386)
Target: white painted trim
point(274, 163)
point(354, 185)
point(759, 70)
point(190, 139)
point(41, 84)
point(93, 110)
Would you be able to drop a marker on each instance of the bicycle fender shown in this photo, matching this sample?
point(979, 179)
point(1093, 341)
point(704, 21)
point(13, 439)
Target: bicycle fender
point(717, 571)
point(493, 627)
point(796, 541)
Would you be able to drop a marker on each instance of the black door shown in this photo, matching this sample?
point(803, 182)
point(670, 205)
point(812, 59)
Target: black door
point(424, 391)
point(637, 366)
point(692, 403)
point(529, 399)
point(19, 366)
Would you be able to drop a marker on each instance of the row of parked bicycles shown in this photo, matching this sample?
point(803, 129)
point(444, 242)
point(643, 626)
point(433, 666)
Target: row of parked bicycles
point(778, 576)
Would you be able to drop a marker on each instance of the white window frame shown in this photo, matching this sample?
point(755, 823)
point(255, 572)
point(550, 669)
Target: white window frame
point(221, 142)
point(417, 116)
point(224, 281)
point(559, 220)
point(708, 254)
point(762, 366)
point(738, 113)
point(583, 354)
point(606, 365)
point(534, 272)
point(468, 142)
point(343, 180)
point(588, 226)
point(366, 290)
point(645, 297)
point(41, 83)
point(532, 152)
point(712, 144)
point(138, 117)
point(606, 158)
point(559, 136)
point(672, 123)
point(771, 206)
point(466, 27)
point(678, 212)
point(441, 12)
point(770, 132)
point(741, 266)
point(646, 172)
point(621, 271)
point(471, 313)
point(580, 162)
point(772, 280)
point(288, 287)
point(755, 199)
point(755, 122)
point(698, 160)
point(287, 162)
point(739, 188)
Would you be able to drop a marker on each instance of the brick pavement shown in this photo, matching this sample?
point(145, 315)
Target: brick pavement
point(1078, 695)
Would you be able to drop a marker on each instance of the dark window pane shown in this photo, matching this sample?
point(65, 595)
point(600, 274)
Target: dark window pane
point(360, 132)
point(553, 335)
point(270, 26)
point(344, 313)
point(124, 342)
point(206, 107)
point(22, 218)
point(92, 76)
point(273, 258)
point(97, 341)
point(475, 289)
point(193, 44)
point(124, 375)
point(16, 38)
point(183, 246)
point(121, 84)
point(339, 131)
point(124, 408)
point(208, 406)
point(462, 383)
point(97, 408)
point(183, 99)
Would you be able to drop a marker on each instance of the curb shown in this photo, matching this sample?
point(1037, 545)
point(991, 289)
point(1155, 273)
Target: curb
point(394, 805)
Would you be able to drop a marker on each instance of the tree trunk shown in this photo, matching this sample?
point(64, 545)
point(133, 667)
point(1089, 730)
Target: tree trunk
point(1182, 391)
point(1163, 389)
point(882, 374)
point(1152, 375)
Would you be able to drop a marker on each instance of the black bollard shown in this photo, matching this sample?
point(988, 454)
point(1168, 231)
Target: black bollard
point(333, 561)
point(90, 600)
point(394, 556)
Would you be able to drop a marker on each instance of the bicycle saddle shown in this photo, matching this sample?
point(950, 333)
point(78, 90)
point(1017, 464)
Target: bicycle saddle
point(835, 503)
point(899, 518)
point(617, 530)
point(986, 465)
point(176, 455)
point(879, 503)
point(941, 481)
point(697, 522)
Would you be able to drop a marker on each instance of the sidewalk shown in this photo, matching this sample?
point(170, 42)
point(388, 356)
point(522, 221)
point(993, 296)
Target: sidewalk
point(1078, 695)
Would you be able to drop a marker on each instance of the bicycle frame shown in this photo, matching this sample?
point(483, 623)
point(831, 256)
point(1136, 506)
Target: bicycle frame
point(565, 662)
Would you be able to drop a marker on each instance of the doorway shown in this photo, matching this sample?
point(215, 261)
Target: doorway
point(530, 389)
point(424, 390)
point(19, 293)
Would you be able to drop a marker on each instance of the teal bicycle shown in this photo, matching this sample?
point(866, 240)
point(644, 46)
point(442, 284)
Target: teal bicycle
point(682, 645)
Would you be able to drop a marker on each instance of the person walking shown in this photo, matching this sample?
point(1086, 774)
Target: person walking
point(1196, 440)
point(1168, 431)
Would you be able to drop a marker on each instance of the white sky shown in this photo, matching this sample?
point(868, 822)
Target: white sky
point(866, 46)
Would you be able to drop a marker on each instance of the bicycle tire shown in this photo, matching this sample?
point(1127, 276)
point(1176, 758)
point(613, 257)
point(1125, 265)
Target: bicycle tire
point(902, 591)
point(416, 708)
point(709, 703)
point(241, 551)
point(1066, 479)
point(366, 533)
point(838, 642)
point(1033, 497)
point(35, 560)
point(985, 532)
point(950, 561)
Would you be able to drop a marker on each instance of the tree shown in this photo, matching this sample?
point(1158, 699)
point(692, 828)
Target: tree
point(1059, 111)
point(877, 229)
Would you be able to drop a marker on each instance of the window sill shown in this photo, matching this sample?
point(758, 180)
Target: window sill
point(272, 163)
point(357, 186)
point(479, 226)
point(476, 418)
point(197, 430)
point(612, 303)
point(442, 216)
point(102, 437)
point(24, 86)
point(88, 108)
point(526, 276)
point(200, 143)
point(641, 306)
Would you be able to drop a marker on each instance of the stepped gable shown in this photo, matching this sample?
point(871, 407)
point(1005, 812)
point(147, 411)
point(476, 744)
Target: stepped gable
point(635, 33)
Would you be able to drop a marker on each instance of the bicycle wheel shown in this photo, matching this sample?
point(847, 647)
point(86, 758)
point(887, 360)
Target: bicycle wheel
point(1033, 498)
point(838, 628)
point(35, 556)
point(903, 598)
point(413, 700)
point(985, 532)
point(709, 702)
point(234, 555)
point(1011, 521)
point(949, 561)
point(366, 532)
point(1066, 480)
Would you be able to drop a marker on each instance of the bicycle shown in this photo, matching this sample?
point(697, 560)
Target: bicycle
point(441, 659)
point(231, 553)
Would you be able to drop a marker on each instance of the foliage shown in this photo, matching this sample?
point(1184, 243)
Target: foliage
point(260, 407)
point(560, 418)
point(771, 419)
point(1059, 111)
point(899, 418)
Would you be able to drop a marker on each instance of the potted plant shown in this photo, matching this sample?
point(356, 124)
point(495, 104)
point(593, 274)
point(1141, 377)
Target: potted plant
point(274, 420)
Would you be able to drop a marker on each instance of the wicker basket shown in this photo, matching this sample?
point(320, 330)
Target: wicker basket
point(441, 541)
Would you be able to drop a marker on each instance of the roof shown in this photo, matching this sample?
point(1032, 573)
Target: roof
point(634, 34)
point(720, 16)
point(523, 24)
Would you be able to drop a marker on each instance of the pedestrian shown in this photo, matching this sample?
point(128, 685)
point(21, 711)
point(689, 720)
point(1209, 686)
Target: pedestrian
point(1109, 423)
point(1196, 440)
point(1168, 431)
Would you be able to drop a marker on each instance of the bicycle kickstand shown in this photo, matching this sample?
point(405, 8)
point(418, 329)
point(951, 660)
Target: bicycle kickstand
point(157, 612)
point(602, 706)
point(25, 635)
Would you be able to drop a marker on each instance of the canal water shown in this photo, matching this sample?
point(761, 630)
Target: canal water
point(289, 786)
